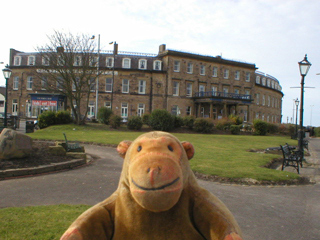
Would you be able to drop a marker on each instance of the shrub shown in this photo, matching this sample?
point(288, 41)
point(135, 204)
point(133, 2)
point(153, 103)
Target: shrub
point(236, 119)
point(104, 115)
point(272, 128)
point(146, 119)
point(235, 129)
point(203, 125)
point(224, 123)
point(178, 122)
point(115, 121)
point(188, 121)
point(63, 117)
point(135, 123)
point(247, 127)
point(162, 120)
point(260, 127)
point(317, 132)
point(46, 119)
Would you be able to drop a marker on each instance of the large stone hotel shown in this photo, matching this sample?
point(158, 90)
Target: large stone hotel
point(131, 84)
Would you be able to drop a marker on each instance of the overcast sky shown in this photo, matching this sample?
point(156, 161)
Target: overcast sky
point(273, 34)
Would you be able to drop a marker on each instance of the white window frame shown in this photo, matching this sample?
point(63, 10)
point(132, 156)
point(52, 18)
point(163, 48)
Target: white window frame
point(188, 110)
point(142, 64)
point(214, 89)
point(190, 68)
point(237, 91)
point(237, 75)
point(92, 84)
point(175, 88)
point(176, 66)
point(17, 61)
point(258, 79)
point(109, 61)
point(175, 110)
point(109, 84)
point(189, 89)
point(202, 88)
point(157, 65)
point(108, 104)
point(77, 61)
point(226, 73)
point(44, 83)
point(202, 70)
point(263, 100)
point(142, 86)
point(29, 82)
point(126, 63)
point(141, 108)
point(264, 81)
point(45, 61)
point(15, 83)
point(31, 60)
point(91, 109)
point(215, 72)
point(225, 91)
point(93, 61)
point(124, 110)
point(60, 61)
point(258, 98)
point(269, 101)
point(14, 107)
point(125, 85)
point(248, 77)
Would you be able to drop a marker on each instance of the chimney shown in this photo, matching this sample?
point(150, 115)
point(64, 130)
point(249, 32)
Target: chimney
point(162, 48)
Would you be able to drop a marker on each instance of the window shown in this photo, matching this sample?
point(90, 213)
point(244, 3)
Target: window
point(157, 65)
point(268, 83)
point(31, 60)
point(258, 98)
point(202, 89)
point(263, 100)
point(17, 60)
point(214, 90)
point(272, 84)
point(175, 90)
point(258, 79)
point(269, 101)
point(1, 103)
point(264, 81)
point(142, 64)
point(176, 66)
point(92, 84)
point(226, 73)
point(44, 83)
point(93, 61)
point(15, 83)
point(214, 72)
point(59, 83)
point(125, 85)
point(202, 70)
point(142, 87)
point(188, 110)
point(257, 115)
point(247, 77)
point(175, 110)
point(225, 91)
point(126, 63)
point(190, 68)
point(140, 109)
point(45, 61)
point(109, 85)
point(61, 61)
point(107, 104)
point(189, 90)
point(109, 62)
point(247, 93)
point(77, 61)
point(29, 82)
point(91, 109)
point(237, 91)
point(14, 107)
point(124, 111)
point(237, 75)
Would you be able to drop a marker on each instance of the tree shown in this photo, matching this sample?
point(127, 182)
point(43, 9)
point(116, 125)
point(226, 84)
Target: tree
point(70, 67)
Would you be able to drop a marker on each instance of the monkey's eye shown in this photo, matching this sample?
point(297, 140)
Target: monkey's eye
point(170, 148)
point(139, 148)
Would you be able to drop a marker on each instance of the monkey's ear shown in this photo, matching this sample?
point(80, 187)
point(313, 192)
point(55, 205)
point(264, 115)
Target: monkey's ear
point(123, 147)
point(189, 149)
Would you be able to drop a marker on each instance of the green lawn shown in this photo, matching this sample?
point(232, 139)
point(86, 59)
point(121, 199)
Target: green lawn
point(221, 155)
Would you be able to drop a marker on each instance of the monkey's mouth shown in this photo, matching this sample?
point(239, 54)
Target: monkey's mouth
point(157, 188)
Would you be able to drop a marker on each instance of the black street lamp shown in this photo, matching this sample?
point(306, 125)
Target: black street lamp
point(6, 74)
point(304, 67)
point(297, 105)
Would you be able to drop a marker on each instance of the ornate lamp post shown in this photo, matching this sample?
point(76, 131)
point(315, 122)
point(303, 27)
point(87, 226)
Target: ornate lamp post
point(6, 74)
point(304, 67)
point(297, 105)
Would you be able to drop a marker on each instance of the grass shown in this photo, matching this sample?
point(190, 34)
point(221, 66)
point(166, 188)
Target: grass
point(220, 155)
point(37, 223)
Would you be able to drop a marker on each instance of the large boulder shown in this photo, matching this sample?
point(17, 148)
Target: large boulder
point(14, 144)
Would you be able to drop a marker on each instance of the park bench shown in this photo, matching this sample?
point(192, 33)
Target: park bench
point(305, 144)
point(291, 157)
point(71, 147)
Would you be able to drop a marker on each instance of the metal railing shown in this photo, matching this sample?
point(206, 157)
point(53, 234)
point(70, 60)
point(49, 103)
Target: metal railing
point(222, 95)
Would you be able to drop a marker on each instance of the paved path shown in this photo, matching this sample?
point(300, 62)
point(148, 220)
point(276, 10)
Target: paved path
point(265, 213)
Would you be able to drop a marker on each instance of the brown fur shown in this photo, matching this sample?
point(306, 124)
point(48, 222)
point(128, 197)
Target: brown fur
point(158, 197)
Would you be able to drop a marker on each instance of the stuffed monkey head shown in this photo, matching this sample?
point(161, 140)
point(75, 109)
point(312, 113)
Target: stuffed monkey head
point(156, 169)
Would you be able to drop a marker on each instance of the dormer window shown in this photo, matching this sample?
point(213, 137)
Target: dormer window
point(94, 61)
point(31, 60)
point(157, 65)
point(142, 64)
point(126, 63)
point(17, 60)
point(109, 62)
point(45, 61)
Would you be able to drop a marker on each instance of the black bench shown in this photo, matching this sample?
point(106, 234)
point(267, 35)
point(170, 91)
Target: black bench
point(71, 147)
point(292, 158)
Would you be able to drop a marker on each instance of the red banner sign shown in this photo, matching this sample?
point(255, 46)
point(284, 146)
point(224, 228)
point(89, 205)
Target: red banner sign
point(44, 103)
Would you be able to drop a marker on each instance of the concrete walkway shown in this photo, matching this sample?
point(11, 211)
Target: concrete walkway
point(265, 213)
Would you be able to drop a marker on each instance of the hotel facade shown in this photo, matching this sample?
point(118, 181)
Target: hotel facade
point(134, 84)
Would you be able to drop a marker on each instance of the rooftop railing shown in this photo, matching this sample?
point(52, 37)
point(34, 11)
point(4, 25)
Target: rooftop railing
point(225, 95)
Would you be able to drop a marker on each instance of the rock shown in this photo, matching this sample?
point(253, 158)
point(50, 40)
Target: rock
point(57, 150)
point(14, 144)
